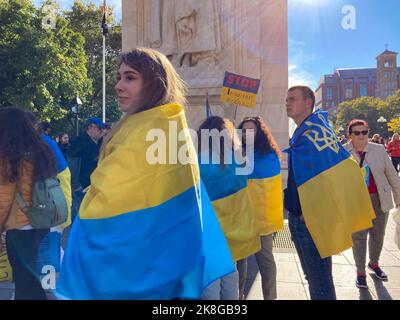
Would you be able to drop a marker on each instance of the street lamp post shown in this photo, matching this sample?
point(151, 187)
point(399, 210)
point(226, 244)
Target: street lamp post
point(75, 110)
point(381, 121)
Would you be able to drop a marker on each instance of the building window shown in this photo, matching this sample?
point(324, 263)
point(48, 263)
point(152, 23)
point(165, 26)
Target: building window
point(389, 74)
point(389, 93)
point(363, 90)
point(390, 85)
point(348, 93)
point(386, 64)
point(329, 93)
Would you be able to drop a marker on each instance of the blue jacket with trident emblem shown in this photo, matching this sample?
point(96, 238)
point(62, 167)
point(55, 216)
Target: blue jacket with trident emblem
point(333, 197)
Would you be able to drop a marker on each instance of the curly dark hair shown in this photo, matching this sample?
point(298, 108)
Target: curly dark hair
point(219, 124)
point(20, 142)
point(264, 140)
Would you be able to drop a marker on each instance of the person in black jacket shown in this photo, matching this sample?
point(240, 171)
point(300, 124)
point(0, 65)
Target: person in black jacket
point(82, 159)
point(63, 143)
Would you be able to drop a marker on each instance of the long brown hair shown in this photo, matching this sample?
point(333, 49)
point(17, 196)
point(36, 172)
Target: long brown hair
point(264, 141)
point(161, 83)
point(220, 124)
point(20, 142)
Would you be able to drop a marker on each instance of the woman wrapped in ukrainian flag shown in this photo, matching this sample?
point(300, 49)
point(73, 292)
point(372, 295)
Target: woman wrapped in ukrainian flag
point(265, 189)
point(143, 226)
point(227, 189)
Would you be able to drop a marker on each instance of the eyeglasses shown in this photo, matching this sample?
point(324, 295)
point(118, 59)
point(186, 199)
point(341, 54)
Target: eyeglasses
point(357, 133)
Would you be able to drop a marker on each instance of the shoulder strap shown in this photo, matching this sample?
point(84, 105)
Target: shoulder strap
point(20, 200)
point(362, 159)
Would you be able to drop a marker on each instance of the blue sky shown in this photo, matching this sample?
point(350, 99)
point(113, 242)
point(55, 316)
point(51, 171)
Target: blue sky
point(317, 41)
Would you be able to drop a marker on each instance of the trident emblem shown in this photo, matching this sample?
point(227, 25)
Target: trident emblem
point(328, 138)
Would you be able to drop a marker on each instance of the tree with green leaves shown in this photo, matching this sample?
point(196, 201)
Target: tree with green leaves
point(86, 20)
point(369, 109)
point(42, 69)
point(393, 106)
point(394, 125)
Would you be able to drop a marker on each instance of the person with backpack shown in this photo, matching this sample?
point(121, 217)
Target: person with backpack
point(51, 247)
point(24, 159)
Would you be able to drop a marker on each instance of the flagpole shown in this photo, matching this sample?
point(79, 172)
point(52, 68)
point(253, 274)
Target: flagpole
point(234, 120)
point(104, 78)
point(105, 30)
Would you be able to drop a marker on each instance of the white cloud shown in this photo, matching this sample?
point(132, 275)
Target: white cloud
point(298, 76)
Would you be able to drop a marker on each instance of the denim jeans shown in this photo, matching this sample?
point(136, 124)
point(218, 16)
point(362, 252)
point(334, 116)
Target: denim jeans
point(318, 272)
point(225, 288)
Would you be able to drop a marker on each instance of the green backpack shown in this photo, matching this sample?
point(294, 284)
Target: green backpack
point(49, 207)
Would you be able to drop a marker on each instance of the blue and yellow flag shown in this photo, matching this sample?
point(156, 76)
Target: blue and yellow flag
point(63, 175)
point(215, 246)
point(50, 245)
point(265, 190)
point(142, 229)
point(231, 202)
point(333, 195)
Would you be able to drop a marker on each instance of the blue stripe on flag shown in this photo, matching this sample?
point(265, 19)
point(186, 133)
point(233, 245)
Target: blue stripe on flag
point(147, 254)
point(265, 166)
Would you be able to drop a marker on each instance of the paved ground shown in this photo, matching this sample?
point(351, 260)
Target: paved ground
point(293, 286)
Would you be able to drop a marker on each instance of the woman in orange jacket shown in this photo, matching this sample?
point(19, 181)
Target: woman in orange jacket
point(24, 158)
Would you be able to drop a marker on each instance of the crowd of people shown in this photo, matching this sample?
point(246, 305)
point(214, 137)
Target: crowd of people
point(184, 230)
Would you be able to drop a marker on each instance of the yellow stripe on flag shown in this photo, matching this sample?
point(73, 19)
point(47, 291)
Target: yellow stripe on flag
point(65, 184)
point(123, 165)
point(335, 204)
point(238, 224)
point(267, 201)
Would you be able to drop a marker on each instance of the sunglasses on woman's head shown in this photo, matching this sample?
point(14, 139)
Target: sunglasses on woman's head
point(357, 133)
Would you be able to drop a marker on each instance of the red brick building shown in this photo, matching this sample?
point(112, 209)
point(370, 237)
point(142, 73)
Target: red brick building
point(348, 84)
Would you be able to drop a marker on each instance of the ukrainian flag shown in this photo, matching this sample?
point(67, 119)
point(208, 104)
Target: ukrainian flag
point(231, 202)
point(265, 190)
point(63, 175)
point(142, 228)
point(333, 195)
point(215, 246)
point(50, 246)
